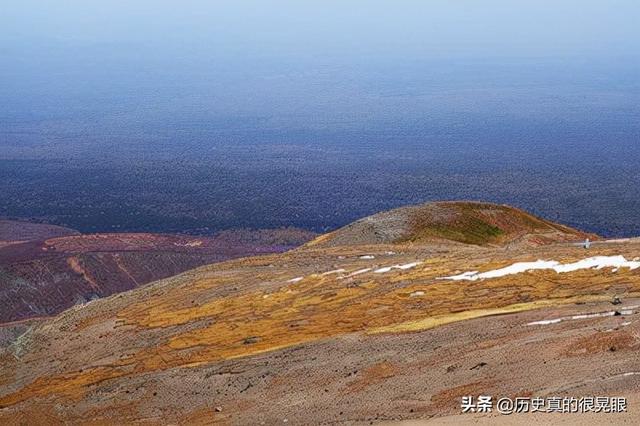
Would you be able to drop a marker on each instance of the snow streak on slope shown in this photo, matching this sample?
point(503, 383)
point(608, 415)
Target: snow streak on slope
point(598, 262)
point(629, 310)
point(403, 267)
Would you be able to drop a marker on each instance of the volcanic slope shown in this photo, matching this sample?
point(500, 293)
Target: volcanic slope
point(464, 222)
point(12, 231)
point(353, 333)
point(44, 270)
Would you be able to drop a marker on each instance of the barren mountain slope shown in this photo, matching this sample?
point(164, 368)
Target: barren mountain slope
point(463, 222)
point(43, 277)
point(12, 231)
point(351, 333)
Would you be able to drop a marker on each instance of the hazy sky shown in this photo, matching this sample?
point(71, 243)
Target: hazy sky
point(119, 72)
point(523, 27)
point(548, 88)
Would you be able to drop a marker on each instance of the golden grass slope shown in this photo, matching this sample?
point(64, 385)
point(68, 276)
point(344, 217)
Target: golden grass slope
point(241, 308)
point(246, 307)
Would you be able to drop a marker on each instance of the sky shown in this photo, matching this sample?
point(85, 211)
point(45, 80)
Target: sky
point(497, 27)
point(112, 72)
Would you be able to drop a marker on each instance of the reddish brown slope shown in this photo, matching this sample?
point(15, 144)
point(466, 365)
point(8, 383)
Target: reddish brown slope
point(42, 278)
point(12, 231)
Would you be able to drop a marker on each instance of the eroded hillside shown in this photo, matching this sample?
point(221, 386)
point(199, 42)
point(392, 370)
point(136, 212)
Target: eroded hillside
point(43, 276)
point(345, 333)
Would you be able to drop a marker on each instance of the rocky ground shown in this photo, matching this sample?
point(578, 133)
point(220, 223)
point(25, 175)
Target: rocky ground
point(46, 269)
point(352, 334)
point(12, 231)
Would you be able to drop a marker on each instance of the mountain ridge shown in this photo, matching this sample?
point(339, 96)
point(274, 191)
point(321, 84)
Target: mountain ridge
point(466, 222)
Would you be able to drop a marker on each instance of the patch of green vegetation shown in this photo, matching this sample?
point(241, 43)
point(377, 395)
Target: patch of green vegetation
point(476, 223)
point(470, 231)
point(466, 223)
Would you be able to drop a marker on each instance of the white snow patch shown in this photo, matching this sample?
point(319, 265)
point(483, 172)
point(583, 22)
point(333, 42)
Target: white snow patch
point(417, 294)
point(295, 280)
point(367, 256)
point(358, 272)
point(618, 240)
point(409, 265)
point(627, 311)
point(587, 316)
point(403, 267)
point(335, 271)
point(598, 262)
point(469, 276)
point(546, 322)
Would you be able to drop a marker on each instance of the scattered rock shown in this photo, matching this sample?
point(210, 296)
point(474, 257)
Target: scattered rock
point(250, 340)
point(479, 365)
point(616, 301)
